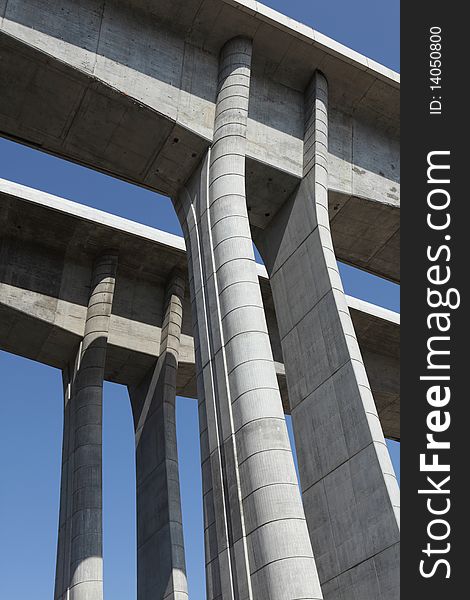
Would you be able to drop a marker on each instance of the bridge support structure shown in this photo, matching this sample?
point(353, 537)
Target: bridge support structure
point(257, 543)
point(161, 568)
point(139, 101)
point(349, 488)
point(79, 573)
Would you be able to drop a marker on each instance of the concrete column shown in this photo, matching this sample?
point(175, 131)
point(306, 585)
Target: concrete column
point(161, 569)
point(80, 563)
point(65, 509)
point(257, 544)
point(350, 492)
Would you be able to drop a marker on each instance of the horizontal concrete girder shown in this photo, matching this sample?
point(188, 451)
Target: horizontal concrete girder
point(47, 248)
point(117, 87)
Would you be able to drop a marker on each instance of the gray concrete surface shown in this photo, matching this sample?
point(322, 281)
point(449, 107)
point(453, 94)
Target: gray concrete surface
point(43, 282)
point(79, 573)
point(349, 489)
point(115, 86)
point(161, 568)
point(250, 142)
point(62, 573)
point(43, 295)
point(257, 542)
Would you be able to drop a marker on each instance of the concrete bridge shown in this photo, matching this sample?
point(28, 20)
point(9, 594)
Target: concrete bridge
point(259, 128)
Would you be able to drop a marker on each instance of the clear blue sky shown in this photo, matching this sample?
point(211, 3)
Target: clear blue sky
point(31, 394)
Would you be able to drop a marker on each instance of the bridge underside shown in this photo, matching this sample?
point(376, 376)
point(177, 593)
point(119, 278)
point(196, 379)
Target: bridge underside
point(47, 248)
point(258, 128)
point(137, 121)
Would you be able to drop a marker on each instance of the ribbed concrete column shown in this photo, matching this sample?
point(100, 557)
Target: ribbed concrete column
point(80, 563)
point(161, 569)
point(257, 544)
point(350, 492)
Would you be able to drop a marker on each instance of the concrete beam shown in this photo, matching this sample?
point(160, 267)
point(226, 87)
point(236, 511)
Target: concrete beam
point(134, 96)
point(43, 297)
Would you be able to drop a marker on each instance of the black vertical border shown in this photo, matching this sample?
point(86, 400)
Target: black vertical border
point(422, 133)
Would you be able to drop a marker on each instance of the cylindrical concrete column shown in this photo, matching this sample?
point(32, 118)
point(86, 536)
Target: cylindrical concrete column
point(257, 543)
point(161, 568)
point(81, 555)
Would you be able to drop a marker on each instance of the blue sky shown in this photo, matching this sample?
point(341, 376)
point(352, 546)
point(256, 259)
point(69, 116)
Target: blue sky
point(31, 394)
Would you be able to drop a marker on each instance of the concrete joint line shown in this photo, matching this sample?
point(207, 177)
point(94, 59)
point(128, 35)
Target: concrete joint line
point(363, 561)
point(281, 419)
point(297, 556)
point(157, 531)
point(227, 174)
point(235, 215)
point(300, 244)
point(227, 124)
point(243, 306)
point(262, 487)
point(266, 450)
point(214, 160)
point(344, 462)
point(307, 313)
point(232, 237)
point(151, 473)
point(240, 364)
point(241, 109)
point(275, 389)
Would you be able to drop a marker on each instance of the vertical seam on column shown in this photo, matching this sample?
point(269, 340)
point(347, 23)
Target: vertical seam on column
point(201, 268)
point(227, 386)
point(71, 382)
point(226, 497)
point(61, 560)
point(234, 131)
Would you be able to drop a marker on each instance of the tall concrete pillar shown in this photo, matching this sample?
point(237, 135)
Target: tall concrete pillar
point(62, 577)
point(161, 569)
point(257, 543)
point(350, 492)
point(79, 561)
